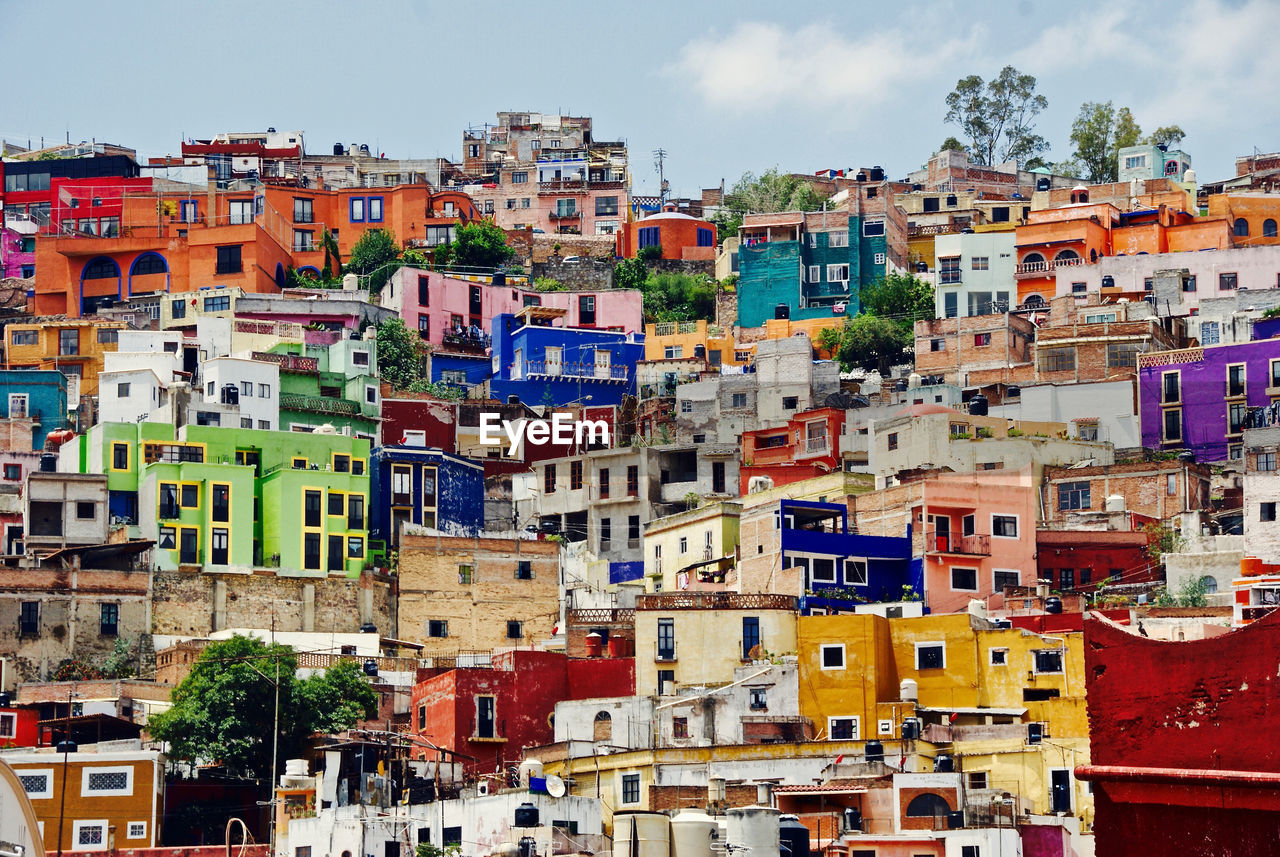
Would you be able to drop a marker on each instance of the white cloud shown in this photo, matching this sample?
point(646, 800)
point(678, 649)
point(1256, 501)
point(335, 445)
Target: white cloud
point(761, 65)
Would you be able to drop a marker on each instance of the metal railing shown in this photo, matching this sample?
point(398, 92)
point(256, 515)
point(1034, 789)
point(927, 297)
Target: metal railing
point(554, 368)
point(953, 543)
point(318, 404)
point(289, 362)
point(716, 601)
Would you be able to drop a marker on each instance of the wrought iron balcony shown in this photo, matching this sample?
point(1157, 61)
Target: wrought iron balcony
point(952, 543)
point(318, 404)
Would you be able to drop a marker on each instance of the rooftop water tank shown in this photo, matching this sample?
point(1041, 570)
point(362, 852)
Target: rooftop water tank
point(529, 768)
point(873, 751)
point(755, 829)
point(1115, 503)
point(978, 406)
point(641, 834)
point(1053, 604)
point(913, 380)
point(526, 815)
point(693, 833)
point(908, 690)
point(943, 764)
point(794, 837)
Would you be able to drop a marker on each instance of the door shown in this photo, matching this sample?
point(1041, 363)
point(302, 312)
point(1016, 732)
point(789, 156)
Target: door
point(484, 717)
point(1060, 790)
point(941, 532)
point(554, 357)
point(717, 477)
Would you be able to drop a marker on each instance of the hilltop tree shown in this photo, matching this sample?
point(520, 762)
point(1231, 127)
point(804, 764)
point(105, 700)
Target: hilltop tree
point(867, 341)
point(951, 144)
point(1099, 132)
point(769, 192)
point(998, 116)
point(1167, 135)
point(481, 244)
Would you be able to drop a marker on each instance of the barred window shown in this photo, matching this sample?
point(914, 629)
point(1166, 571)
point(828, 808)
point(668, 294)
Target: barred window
point(1123, 355)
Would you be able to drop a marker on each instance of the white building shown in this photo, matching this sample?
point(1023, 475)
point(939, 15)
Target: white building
point(251, 386)
point(1111, 406)
point(974, 273)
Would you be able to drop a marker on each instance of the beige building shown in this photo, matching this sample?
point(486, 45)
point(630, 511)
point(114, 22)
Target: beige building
point(476, 594)
point(688, 549)
point(692, 638)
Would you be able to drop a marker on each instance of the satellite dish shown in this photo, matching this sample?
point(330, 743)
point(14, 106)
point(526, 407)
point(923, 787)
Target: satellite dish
point(555, 786)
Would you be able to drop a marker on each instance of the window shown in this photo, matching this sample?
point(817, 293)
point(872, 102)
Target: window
point(520, 177)
point(686, 406)
point(815, 273)
point(311, 551)
point(437, 628)
point(219, 542)
point(69, 342)
point(168, 538)
point(24, 337)
point(1061, 359)
point(1048, 660)
point(29, 615)
point(188, 545)
point(375, 209)
point(524, 570)
point(1266, 512)
point(666, 649)
point(893, 440)
point(1170, 388)
point(630, 788)
point(337, 503)
point(855, 572)
point(679, 727)
point(633, 480)
point(606, 532)
point(220, 303)
point(1266, 461)
point(872, 228)
point(355, 512)
point(18, 403)
point(606, 206)
point(311, 509)
point(931, 656)
point(107, 782)
point(980, 263)
point(837, 273)
point(949, 270)
point(229, 260)
point(998, 657)
point(1236, 413)
point(86, 511)
point(1078, 288)
point(1073, 495)
point(790, 403)
point(759, 700)
point(12, 472)
point(190, 496)
point(302, 211)
point(1227, 282)
point(586, 309)
point(303, 240)
point(1172, 425)
point(466, 574)
point(241, 211)
point(137, 830)
point(738, 400)
point(964, 579)
point(842, 728)
point(633, 528)
point(981, 340)
point(168, 500)
point(837, 239)
point(750, 636)
point(1235, 380)
point(549, 479)
point(1123, 355)
point(36, 783)
point(1004, 526)
point(89, 835)
point(1240, 228)
point(515, 630)
point(832, 656)
point(1210, 333)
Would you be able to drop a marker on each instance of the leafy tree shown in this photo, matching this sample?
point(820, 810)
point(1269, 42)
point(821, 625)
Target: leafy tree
point(678, 297)
point(332, 256)
point(401, 353)
point(224, 709)
point(630, 274)
point(1167, 135)
point(867, 341)
point(951, 144)
point(372, 256)
point(901, 297)
point(769, 192)
point(652, 253)
point(482, 244)
point(997, 116)
point(1099, 132)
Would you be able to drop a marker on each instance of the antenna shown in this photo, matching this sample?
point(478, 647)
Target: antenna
point(659, 161)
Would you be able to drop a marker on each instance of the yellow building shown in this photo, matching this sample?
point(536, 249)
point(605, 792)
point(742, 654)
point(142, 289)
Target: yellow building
point(677, 340)
point(690, 638)
point(73, 346)
point(682, 549)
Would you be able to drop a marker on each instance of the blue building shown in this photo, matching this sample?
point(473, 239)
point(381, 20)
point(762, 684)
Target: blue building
point(40, 395)
point(461, 360)
point(841, 568)
point(548, 364)
point(424, 486)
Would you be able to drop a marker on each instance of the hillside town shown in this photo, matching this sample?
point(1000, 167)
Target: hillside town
point(357, 504)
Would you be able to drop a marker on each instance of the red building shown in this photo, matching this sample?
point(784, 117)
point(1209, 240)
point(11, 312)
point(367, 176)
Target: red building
point(490, 714)
point(679, 235)
point(1081, 560)
point(807, 446)
point(1182, 741)
point(19, 727)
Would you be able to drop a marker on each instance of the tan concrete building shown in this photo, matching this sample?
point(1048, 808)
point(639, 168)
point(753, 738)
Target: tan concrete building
point(476, 594)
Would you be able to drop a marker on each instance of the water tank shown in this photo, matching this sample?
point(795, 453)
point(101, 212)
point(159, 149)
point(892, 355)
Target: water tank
point(756, 829)
point(641, 834)
point(526, 815)
point(908, 690)
point(943, 764)
point(1042, 183)
point(922, 267)
point(700, 352)
point(4, 700)
point(1013, 391)
point(296, 768)
point(910, 729)
point(595, 645)
point(913, 380)
point(1189, 176)
point(370, 667)
point(873, 751)
point(48, 462)
point(852, 820)
point(782, 311)
point(368, 628)
point(1187, 457)
point(529, 768)
point(1053, 604)
point(955, 819)
point(715, 790)
point(364, 149)
point(499, 278)
point(67, 746)
point(1115, 503)
point(350, 282)
point(794, 836)
point(513, 399)
point(1108, 281)
point(692, 833)
point(1035, 732)
point(978, 406)
point(338, 149)
point(230, 394)
point(900, 386)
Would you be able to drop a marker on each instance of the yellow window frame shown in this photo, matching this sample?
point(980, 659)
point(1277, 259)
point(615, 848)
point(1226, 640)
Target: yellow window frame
point(128, 456)
point(195, 485)
point(213, 486)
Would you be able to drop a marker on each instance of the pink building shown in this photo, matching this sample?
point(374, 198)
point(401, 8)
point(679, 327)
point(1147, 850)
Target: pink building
point(435, 304)
point(17, 247)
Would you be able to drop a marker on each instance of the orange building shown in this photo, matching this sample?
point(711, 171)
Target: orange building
point(1082, 231)
point(72, 346)
point(807, 446)
point(179, 242)
point(679, 235)
point(1252, 216)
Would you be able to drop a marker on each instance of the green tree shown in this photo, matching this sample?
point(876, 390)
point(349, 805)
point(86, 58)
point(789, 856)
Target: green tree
point(630, 274)
point(678, 297)
point(1098, 133)
point(401, 353)
point(372, 257)
point(1167, 135)
point(998, 116)
point(769, 192)
point(482, 244)
point(901, 297)
point(332, 255)
point(868, 342)
point(224, 709)
point(951, 144)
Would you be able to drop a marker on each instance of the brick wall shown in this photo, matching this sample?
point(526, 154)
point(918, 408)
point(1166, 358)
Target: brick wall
point(663, 798)
point(726, 308)
point(972, 344)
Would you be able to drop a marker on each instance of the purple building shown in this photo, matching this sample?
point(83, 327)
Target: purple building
point(1202, 399)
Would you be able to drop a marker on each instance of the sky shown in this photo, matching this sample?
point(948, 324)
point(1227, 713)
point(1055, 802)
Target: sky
point(723, 87)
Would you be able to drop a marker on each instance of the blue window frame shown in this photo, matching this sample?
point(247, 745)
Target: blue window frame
point(356, 211)
point(188, 210)
point(375, 209)
point(648, 236)
point(705, 239)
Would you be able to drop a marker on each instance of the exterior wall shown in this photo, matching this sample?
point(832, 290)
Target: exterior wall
point(809, 447)
point(1081, 561)
point(1152, 162)
point(707, 533)
point(1109, 405)
point(1156, 489)
point(140, 802)
point(46, 394)
point(681, 339)
point(1091, 348)
point(72, 510)
point(1256, 269)
point(1205, 559)
point(1255, 209)
point(679, 235)
point(522, 369)
point(93, 339)
point(477, 612)
point(257, 384)
point(953, 348)
point(995, 282)
point(445, 492)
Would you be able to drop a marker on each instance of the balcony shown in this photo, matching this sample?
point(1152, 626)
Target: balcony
point(813, 447)
point(289, 362)
point(935, 229)
point(1253, 614)
point(937, 544)
point(602, 616)
point(465, 343)
point(318, 405)
point(664, 653)
point(559, 369)
point(1027, 270)
point(716, 601)
point(565, 215)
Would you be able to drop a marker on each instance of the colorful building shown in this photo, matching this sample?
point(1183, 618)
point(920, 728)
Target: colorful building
point(807, 445)
point(334, 384)
point(38, 396)
point(1251, 216)
point(692, 549)
point(686, 340)
point(974, 273)
point(217, 497)
point(427, 487)
point(74, 347)
point(678, 236)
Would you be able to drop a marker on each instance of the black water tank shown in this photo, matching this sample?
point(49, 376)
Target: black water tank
point(1013, 391)
point(339, 149)
point(943, 764)
point(1108, 281)
point(955, 819)
point(1042, 184)
point(526, 815)
point(370, 667)
point(874, 751)
point(4, 700)
point(1035, 732)
point(794, 836)
point(852, 819)
point(901, 386)
point(48, 463)
point(700, 352)
point(513, 399)
point(910, 729)
point(368, 628)
point(978, 406)
point(1187, 457)
point(782, 311)
point(67, 746)
point(922, 267)
point(499, 278)
point(1053, 604)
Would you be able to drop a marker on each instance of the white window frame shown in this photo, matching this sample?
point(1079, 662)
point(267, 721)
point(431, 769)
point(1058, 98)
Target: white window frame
point(991, 656)
point(834, 270)
point(86, 772)
point(929, 644)
point(1017, 525)
point(1062, 656)
point(850, 578)
point(12, 720)
point(952, 581)
point(879, 259)
point(813, 574)
point(815, 273)
point(47, 773)
point(838, 238)
point(857, 728)
point(77, 826)
point(26, 404)
point(142, 834)
point(822, 656)
point(885, 727)
point(264, 391)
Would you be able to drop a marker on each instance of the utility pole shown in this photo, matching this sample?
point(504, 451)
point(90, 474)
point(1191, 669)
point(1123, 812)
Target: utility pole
point(659, 162)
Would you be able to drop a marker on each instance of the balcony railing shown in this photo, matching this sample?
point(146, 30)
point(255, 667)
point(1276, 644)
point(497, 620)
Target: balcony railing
point(593, 616)
point(464, 342)
point(565, 215)
point(318, 404)
point(289, 362)
point(1039, 269)
point(554, 369)
point(815, 446)
point(282, 329)
point(935, 229)
point(716, 601)
point(664, 652)
point(953, 543)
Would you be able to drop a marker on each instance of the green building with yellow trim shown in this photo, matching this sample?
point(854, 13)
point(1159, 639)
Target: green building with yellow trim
point(230, 499)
